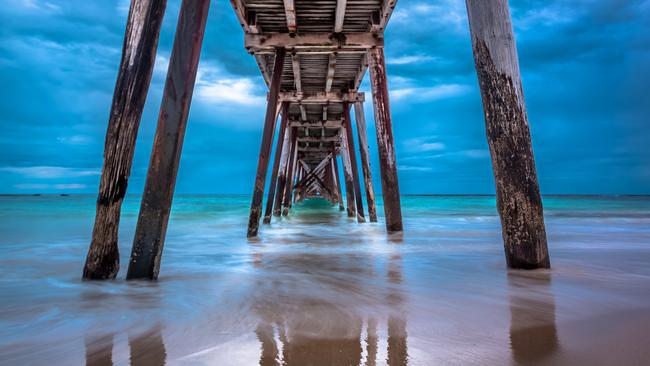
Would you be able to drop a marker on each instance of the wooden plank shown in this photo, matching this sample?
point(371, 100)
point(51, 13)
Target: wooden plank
point(131, 88)
point(347, 175)
point(353, 162)
point(282, 178)
point(265, 148)
point(322, 98)
point(279, 153)
point(291, 171)
point(339, 16)
point(303, 112)
point(313, 41)
point(168, 142)
point(364, 152)
point(361, 73)
point(387, 8)
point(385, 143)
point(290, 13)
point(331, 68)
point(518, 197)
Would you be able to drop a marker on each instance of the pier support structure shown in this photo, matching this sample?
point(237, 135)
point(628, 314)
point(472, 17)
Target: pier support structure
point(353, 162)
point(168, 142)
point(278, 161)
point(133, 79)
point(267, 140)
point(518, 197)
point(364, 151)
point(385, 143)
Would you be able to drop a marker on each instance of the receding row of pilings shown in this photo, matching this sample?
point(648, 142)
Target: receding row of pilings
point(518, 198)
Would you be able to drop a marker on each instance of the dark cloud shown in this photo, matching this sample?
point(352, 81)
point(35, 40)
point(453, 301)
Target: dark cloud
point(584, 66)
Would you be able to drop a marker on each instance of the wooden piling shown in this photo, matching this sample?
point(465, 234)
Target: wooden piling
point(337, 180)
point(347, 175)
point(168, 142)
point(291, 170)
point(131, 88)
point(518, 197)
point(353, 162)
point(279, 153)
point(265, 148)
point(385, 143)
point(364, 151)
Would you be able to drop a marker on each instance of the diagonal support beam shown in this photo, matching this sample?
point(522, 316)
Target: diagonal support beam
point(331, 69)
point(290, 13)
point(339, 17)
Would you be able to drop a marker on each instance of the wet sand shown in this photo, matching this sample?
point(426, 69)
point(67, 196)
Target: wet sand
point(318, 289)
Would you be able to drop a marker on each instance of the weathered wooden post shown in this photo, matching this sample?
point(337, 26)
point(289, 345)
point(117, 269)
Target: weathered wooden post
point(518, 198)
point(364, 151)
point(291, 170)
point(353, 162)
point(168, 142)
point(133, 79)
point(279, 154)
point(347, 176)
point(337, 180)
point(267, 140)
point(385, 143)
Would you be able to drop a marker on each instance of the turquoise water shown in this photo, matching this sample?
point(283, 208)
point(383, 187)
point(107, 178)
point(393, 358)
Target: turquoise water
point(318, 288)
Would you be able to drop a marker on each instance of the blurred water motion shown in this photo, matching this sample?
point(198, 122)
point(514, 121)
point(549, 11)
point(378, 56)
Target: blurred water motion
point(319, 289)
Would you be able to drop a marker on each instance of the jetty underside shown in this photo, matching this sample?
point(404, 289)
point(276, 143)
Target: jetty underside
point(313, 56)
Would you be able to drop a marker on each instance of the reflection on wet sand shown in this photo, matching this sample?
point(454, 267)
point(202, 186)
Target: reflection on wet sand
point(324, 325)
point(146, 349)
point(99, 350)
point(533, 333)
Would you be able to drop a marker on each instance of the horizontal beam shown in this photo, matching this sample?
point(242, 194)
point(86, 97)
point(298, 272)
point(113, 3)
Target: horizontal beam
point(312, 41)
point(320, 139)
point(316, 124)
point(322, 98)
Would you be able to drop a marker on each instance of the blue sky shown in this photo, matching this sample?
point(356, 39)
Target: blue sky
point(585, 69)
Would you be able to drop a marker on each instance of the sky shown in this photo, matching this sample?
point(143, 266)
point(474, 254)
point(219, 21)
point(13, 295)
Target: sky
point(585, 69)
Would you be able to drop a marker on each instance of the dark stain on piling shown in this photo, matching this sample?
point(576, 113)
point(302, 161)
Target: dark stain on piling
point(518, 198)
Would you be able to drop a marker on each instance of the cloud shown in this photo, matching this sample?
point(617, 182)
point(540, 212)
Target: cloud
point(41, 186)
point(75, 140)
point(50, 172)
point(430, 93)
point(424, 144)
point(407, 60)
point(41, 6)
point(412, 168)
point(214, 86)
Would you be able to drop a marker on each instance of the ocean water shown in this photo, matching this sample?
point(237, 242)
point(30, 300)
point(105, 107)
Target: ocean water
point(316, 288)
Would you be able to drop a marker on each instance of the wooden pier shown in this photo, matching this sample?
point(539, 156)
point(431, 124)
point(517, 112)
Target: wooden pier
point(313, 56)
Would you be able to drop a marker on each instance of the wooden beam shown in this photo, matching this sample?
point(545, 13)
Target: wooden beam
point(322, 98)
point(163, 166)
point(291, 170)
point(133, 79)
point(267, 140)
point(364, 152)
point(320, 139)
point(262, 65)
point(303, 112)
point(518, 197)
point(290, 13)
point(331, 68)
point(337, 180)
point(353, 162)
point(339, 17)
point(279, 153)
point(347, 175)
point(385, 143)
point(317, 124)
point(313, 41)
point(361, 73)
point(387, 7)
point(297, 78)
point(243, 16)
